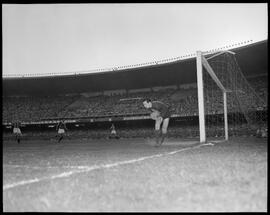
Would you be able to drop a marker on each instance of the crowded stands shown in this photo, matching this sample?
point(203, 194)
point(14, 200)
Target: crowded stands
point(183, 102)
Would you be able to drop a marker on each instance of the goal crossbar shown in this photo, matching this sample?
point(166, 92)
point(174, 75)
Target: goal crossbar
point(220, 53)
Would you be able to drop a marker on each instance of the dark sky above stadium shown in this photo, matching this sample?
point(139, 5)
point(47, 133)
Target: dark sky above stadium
point(69, 38)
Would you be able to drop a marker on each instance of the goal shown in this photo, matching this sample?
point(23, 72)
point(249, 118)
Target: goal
point(227, 103)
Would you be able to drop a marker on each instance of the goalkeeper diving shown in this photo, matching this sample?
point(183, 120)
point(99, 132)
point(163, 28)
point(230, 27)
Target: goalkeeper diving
point(160, 112)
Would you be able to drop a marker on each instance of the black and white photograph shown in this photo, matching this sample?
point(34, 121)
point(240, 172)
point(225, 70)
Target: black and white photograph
point(134, 107)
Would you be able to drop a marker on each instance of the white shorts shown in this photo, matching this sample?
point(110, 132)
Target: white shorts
point(113, 132)
point(61, 131)
point(17, 131)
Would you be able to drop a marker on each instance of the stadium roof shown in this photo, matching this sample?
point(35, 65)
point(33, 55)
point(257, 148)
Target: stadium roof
point(252, 60)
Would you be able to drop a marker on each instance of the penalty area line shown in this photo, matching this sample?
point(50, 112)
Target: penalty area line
point(95, 167)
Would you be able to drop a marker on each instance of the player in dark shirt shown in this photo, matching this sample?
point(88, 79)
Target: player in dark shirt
point(160, 112)
point(61, 129)
point(17, 131)
point(113, 132)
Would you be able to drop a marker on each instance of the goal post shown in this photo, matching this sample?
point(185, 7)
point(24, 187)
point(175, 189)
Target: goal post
point(227, 103)
point(200, 97)
point(202, 63)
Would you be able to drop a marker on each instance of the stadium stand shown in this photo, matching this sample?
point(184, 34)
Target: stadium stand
point(183, 102)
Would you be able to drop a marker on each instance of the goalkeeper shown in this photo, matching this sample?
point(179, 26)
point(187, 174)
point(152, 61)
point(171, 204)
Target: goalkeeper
point(161, 113)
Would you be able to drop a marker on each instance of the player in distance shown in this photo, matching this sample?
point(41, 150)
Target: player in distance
point(17, 131)
point(160, 112)
point(113, 133)
point(61, 129)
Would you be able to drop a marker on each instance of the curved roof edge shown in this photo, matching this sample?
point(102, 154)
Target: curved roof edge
point(252, 59)
point(131, 67)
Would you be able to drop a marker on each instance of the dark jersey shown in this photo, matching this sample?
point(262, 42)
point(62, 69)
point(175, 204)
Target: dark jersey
point(162, 108)
point(112, 127)
point(61, 125)
point(16, 125)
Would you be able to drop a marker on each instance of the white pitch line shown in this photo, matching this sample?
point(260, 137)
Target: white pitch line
point(95, 167)
point(44, 167)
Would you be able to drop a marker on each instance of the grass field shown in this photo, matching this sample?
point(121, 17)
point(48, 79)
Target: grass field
point(131, 176)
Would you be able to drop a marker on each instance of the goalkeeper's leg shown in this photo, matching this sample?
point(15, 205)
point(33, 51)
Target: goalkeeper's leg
point(61, 137)
point(157, 130)
point(17, 138)
point(164, 129)
point(157, 135)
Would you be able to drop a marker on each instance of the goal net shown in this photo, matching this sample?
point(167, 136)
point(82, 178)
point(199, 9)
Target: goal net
point(228, 104)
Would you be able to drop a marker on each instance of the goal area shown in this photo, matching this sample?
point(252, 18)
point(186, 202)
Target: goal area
point(227, 103)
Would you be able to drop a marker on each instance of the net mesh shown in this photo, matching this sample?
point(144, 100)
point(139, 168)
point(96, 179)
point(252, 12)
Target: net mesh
point(247, 111)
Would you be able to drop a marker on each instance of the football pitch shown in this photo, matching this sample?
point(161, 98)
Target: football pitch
point(130, 175)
